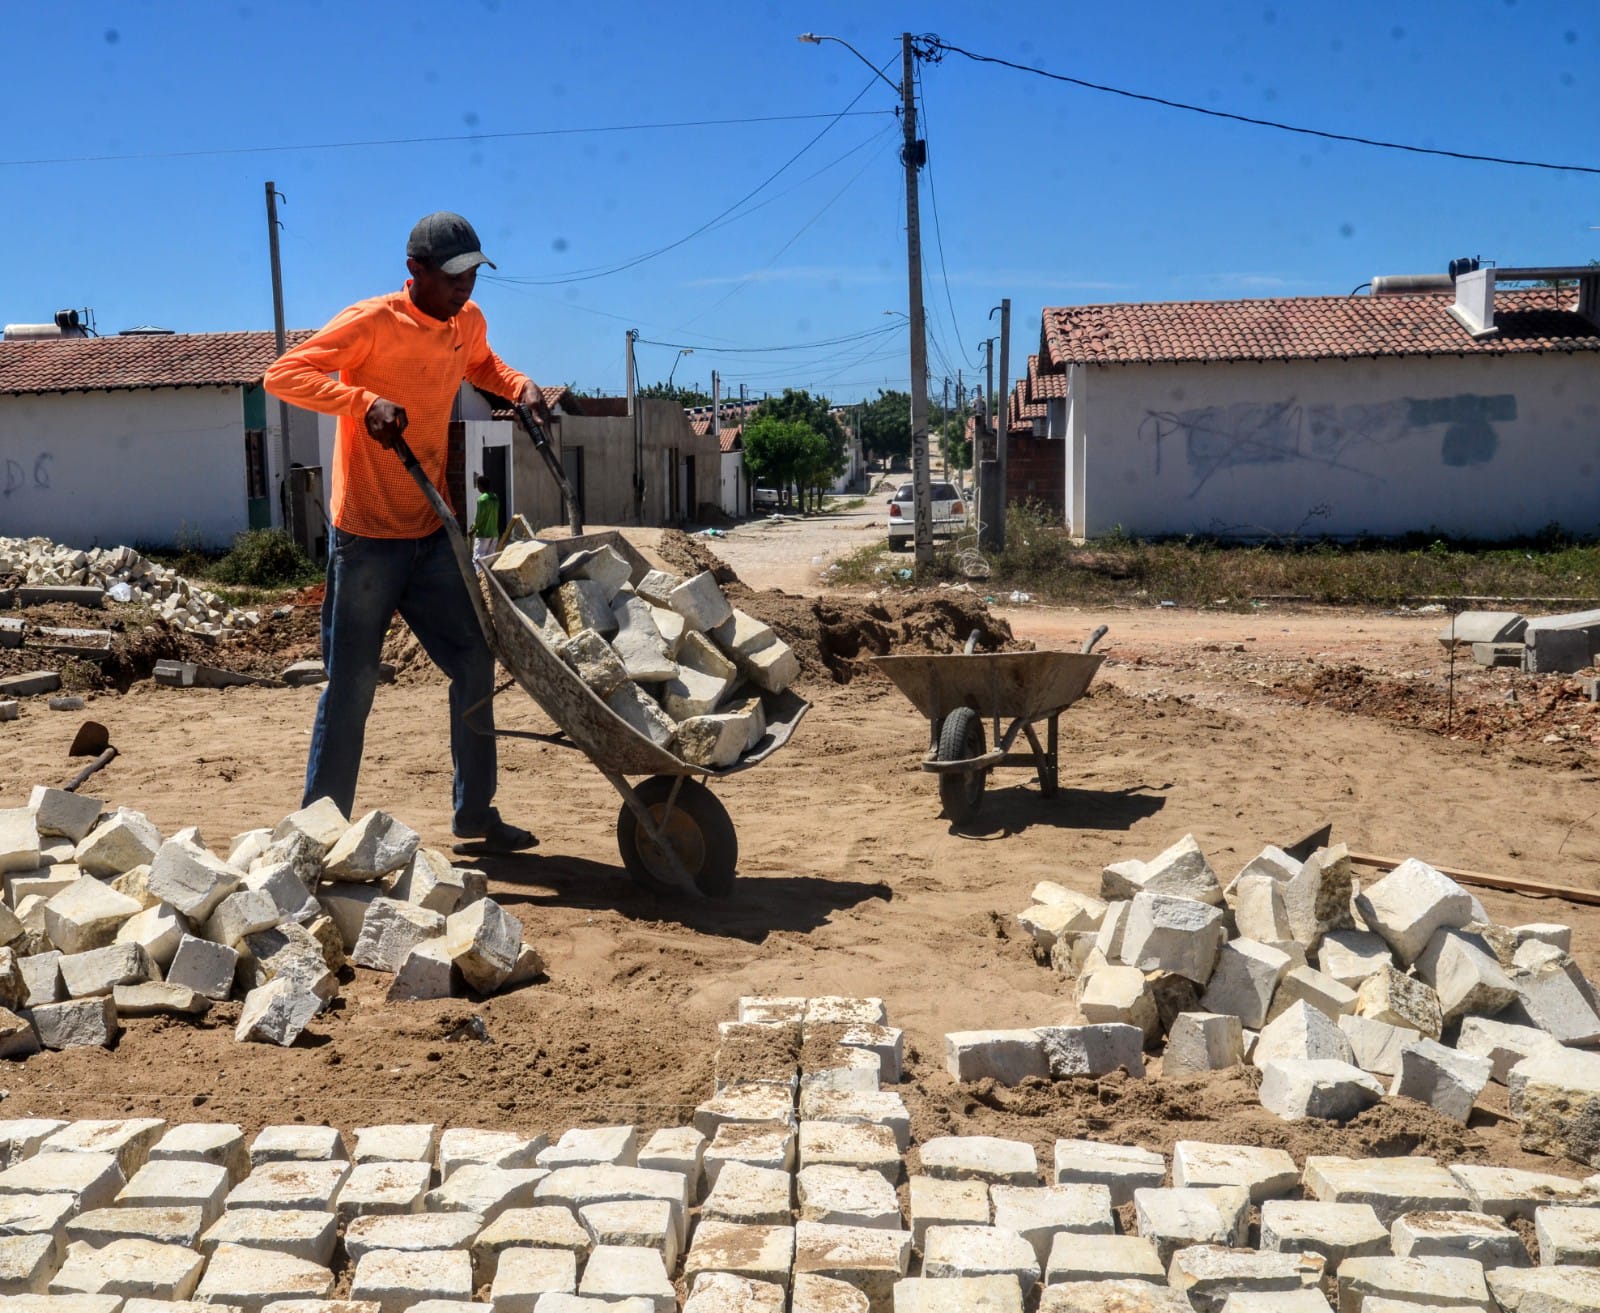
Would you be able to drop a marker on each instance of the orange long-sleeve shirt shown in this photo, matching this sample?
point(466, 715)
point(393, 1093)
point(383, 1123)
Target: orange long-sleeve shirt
point(386, 347)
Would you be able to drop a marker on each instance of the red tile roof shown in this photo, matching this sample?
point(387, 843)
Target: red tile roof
point(1306, 328)
point(732, 437)
point(1044, 387)
point(1023, 412)
point(167, 360)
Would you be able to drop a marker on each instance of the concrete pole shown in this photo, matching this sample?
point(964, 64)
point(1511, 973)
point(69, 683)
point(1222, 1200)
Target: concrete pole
point(988, 466)
point(638, 431)
point(286, 501)
point(1002, 409)
point(922, 501)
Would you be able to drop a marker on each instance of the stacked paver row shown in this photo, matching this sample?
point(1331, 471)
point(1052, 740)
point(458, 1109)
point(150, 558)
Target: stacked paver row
point(104, 918)
point(784, 1193)
point(1338, 993)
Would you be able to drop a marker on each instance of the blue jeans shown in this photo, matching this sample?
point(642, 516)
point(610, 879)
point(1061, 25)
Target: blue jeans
point(369, 579)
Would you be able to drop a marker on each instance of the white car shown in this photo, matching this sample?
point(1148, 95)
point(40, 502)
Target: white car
point(949, 514)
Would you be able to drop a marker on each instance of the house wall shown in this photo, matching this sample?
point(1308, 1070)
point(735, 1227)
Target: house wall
point(1485, 446)
point(108, 468)
point(734, 489)
point(1036, 472)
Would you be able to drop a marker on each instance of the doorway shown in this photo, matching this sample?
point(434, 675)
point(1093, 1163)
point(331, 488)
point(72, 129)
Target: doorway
point(496, 461)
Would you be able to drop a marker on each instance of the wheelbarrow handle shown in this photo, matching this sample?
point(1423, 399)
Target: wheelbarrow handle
point(458, 540)
point(541, 444)
point(1088, 643)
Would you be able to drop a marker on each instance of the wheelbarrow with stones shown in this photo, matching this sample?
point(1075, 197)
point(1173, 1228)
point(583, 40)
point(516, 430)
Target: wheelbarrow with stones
point(1014, 691)
point(674, 834)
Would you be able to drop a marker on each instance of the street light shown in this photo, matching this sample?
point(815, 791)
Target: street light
point(682, 352)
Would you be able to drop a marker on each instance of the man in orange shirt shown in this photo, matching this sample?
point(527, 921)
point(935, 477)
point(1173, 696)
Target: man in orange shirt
point(400, 359)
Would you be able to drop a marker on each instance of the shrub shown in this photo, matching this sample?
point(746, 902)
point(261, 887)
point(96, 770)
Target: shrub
point(264, 558)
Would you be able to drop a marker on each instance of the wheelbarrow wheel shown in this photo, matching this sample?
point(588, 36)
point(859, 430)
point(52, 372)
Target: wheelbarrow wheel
point(698, 828)
point(960, 739)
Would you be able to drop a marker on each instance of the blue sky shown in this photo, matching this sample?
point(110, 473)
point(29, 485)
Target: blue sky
point(1045, 193)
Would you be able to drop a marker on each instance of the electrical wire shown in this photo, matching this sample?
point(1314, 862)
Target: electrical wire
point(579, 276)
point(760, 350)
point(361, 144)
point(938, 231)
point(934, 44)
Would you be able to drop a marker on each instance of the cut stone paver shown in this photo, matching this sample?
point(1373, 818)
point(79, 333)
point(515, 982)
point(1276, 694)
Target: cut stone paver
point(1556, 1093)
point(1336, 1231)
point(875, 1107)
point(1007, 1056)
point(1123, 1296)
point(872, 1260)
point(980, 1158)
point(1568, 1236)
point(938, 1202)
point(755, 1196)
point(396, 1279)
point(93, 1179)
point(28, 1262)
point(758, 1253)
point(977, 1251)
point(846, 1196)
point(648, 1223)
point(525, 1274)
point(591, 1146)
point(1446, 1080)
point(1392, 1186)
point(487, 1191)
point(1173, 1218)
point(281, 1144)
point(1424, 1281)
point(979, 1294)
point(1120, 1168)
point(1078, 1257)
point(30, 1214)
point(1485, 1240)
point(303, 1184)
point(850, 1144)
point(1207, 1274)
point(1410, 903)
point(1503, 1043)
point(219, 1143)
point(534, 1228)
point(1092, 1050)
point(1040, 1213)
point(377, 1189)
point(616, 1272)
point(129, 1267)
point(1562, 1289)
point(303, 1233)
point(174, 1183)
point(761, 1144)
point(1510, 1192)
point(462, 1145)
point(1265, 1173)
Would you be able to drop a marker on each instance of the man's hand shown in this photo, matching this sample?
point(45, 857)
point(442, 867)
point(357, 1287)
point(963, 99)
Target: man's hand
point(386, 422)
point(533, 399)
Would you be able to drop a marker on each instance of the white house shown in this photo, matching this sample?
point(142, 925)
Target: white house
point(1456, 410)
point(140, 438)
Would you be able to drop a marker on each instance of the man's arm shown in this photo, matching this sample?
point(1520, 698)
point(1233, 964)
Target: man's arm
point(301, 376)
point(492, 374)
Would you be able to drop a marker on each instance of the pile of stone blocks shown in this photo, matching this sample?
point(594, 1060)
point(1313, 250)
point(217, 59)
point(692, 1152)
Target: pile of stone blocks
point(175, 599)
point(105, 918)
point(669, 656)
point(1545, 645)
point(761, 1216)
point(1339, 994)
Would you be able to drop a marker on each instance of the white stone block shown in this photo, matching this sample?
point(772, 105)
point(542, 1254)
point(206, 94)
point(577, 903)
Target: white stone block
point(1266, 1173)
point(1092, 1050)
point(1464, 973)
point(618, 1272)
point(1485, 1240)
point(81, 1023)
point(643, 714)
point(158, 929)
point(523, 1275)
point(1203, 1041)
point(428, 971)
point(461, 1145)
point(1421, 1281)
point(591, 657)
point(123, 840)
point(639, 644)
point(1448, 1081)
point(86, 915)
point(219, 1143)
point(843, 1196)
point(1307, 984)
point(190, 879)
point(1114, 993)
point(1389, 995)
point(290, 952)
point(1409, 904)
point(67, 815)
point(1077, 1257)
point(935, 1201)
point(129, 1267)
point(483, 940)
point(1553, 995)
point(1207, 1274)
point(1323, 1088)
point(396, 1279)
point(870, 1259)
point(296, 1144)
point(980, 1158)
point(1350, 956)
point(289, 894)
point(1375, 1045)
point(383, 1189)
point(1182, 871)
point(163, 1226)
point(1504, 1044)
point(1007, 1056)
point(373, 847)
point(1392, 1186)
point(1317, 896)
point(1120, 1168)
point(700, 602)
point(1176, 935)
point(204, 967)
point(243, 912)
point(691, 693)
point(723, 1292)
point(1302, 1033)
point(979, 1251)
point(410, 1232)
point(582, 604)
point(1244, 980)
point(277, 1012)
point(715, 740)
point(526, 567)
point(390, 930)
point(487, 1191)
point(1336, 1231)
point(1258, 909)
point(1173, 1219)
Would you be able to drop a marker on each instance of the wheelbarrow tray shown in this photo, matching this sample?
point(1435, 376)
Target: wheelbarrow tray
point(609, 741)
point(1024, 686)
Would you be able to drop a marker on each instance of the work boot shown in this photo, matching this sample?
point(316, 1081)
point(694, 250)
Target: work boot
point(497, 836)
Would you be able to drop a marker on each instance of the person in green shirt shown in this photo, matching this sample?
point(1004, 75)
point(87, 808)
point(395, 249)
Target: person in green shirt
point(486, 522)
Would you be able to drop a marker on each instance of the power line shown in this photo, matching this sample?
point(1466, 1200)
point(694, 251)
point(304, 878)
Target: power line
point(934, 44)
point(792, 346)
point(459, 137)
point(938, 235)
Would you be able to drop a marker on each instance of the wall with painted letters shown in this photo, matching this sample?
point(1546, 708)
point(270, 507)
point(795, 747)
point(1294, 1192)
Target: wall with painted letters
point(1489, 447)
point(107, 468)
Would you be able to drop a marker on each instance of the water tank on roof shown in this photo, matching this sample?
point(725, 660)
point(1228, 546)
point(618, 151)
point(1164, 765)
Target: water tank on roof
point(31, 332)
point(145, 330)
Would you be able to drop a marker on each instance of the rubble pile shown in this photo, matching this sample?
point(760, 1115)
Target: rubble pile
point(1339, 994)
point(125, 576)
point(103, 919)
point(669, 656)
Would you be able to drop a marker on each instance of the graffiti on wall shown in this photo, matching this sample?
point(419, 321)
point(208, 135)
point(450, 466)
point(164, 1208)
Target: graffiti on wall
point(16, 476)
point(1216, 439)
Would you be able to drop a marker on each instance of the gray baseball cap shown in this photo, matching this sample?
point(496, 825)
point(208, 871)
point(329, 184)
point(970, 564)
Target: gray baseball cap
point(447, 242)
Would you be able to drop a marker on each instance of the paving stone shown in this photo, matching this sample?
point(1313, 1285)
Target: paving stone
point(1122, 1296)
point(850, 1144)
point(1172, 1219)
point(28, 1262)
point(1177, 935)
point(1392, 1186)
point(722, 1292)
point(170, 1183)
point(86, 914)
point(1266, 1173)
point(303, 1233)
point(1203, 1041)
point(432, 881)
point(934, 1201)
point(1008, 1056)
point(461, 1145)
point(381, 1189)
point(1078, 1256)
point(372, 847)
point(1245, 978)
point(204, 967)
point(277, 1012)
point(872, 1260)
point(1545, 1289)
point(526, 567)
point(817, 1294)
point(764, 1008)
point(979, 1251)
point(1094, 1050)
point(1336, 1231)
point(761, 1144)
point(1447, 1081)
point(396, 1279)
point(130, 1139)
point(27, 1303)
point(874, 1107)
point(66, 815)
point(1409, 904)
point(1307, 984)
point(578, 1187)
point(1208, 1274)
point(174, 1306)
point(1388, 995)
point(591, 1146)
point(700, 602)
point(1553, 995)
point(758, 1253)
point(347, 904)
point(525, 1274)
point(1284, 1301)
point(534, 1228)
point(1321, 1088)
point(18, 1039)
point(357, 1306)
point(81, 1023)
point(1567, 1236)
point(846, 1196)
point(1259, 911)
point(35, 1214)
point(1486, 1240)
point(483, 940)
point(1317, 896)
point(616, 1272)
point(1039, 1214)
point(1120, 1168)
point(157, 929)
point(488, 1191)
point(42, 975)
point(649, 1223)
point(129, 1267)
point(1511, 1192)
point(123, 840)
point(1350, 956)
point(297, 1144)
point(753, 1196)
point(1556, 1093)
point(99, 970)
point(1299, 1034)
point(187, 877)
point(836, 1067)
point(427, 971)
point(1376, 1045)
point(1424, 1281)
point(92, 1179)
point(299, 1184)
point(980, 1158)
point(396, 1142)
point(1464, 974)
point(1066, 912)
point(554, 1303)
point(1182, 871)
point(1502, 1043)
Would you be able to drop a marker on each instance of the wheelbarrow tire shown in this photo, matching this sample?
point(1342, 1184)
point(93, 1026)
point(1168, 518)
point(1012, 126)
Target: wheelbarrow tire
point(960, 739)
point(699, 829)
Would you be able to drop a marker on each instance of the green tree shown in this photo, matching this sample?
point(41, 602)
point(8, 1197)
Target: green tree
point(816, 469)
point(682, 393)
point(780, 452)
point(886, 425)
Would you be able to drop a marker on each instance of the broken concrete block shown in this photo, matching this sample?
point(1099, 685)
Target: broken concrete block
point(1203, 1041)
point(638, 642)
point(1007, 1056)
point(1410, 904)
point(1465, 975)
point(86, 915)
point(1301, 1033)
point(1556, 1093)
point(1323, 1088)
point(1244, 980)
point(1469, 627)
point(123, 840)
point(1171, 934)
point(371, 848)
point(700, 602)
point(1503, 1044)
point(69, 815)
point(204, 967)
point(1092, 1050)
point(277, 1012)
point(190, 879)
point(483, 941)
point(1446, 1080)
point(714, 741)
point(1317, 897)
point(526, 567)
point(81, 1023)
point(1350, 956)
point(390, 930)
point(1307, 985)
point(100, 969)
point(1259, 911)
point(1388, 995)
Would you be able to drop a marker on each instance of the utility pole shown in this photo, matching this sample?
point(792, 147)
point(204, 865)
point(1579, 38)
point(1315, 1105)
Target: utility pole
point(912, 154)
point(1002, 409)
point(638, 430)
point(285, 500)
point(716, 429)
point(981, 460)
